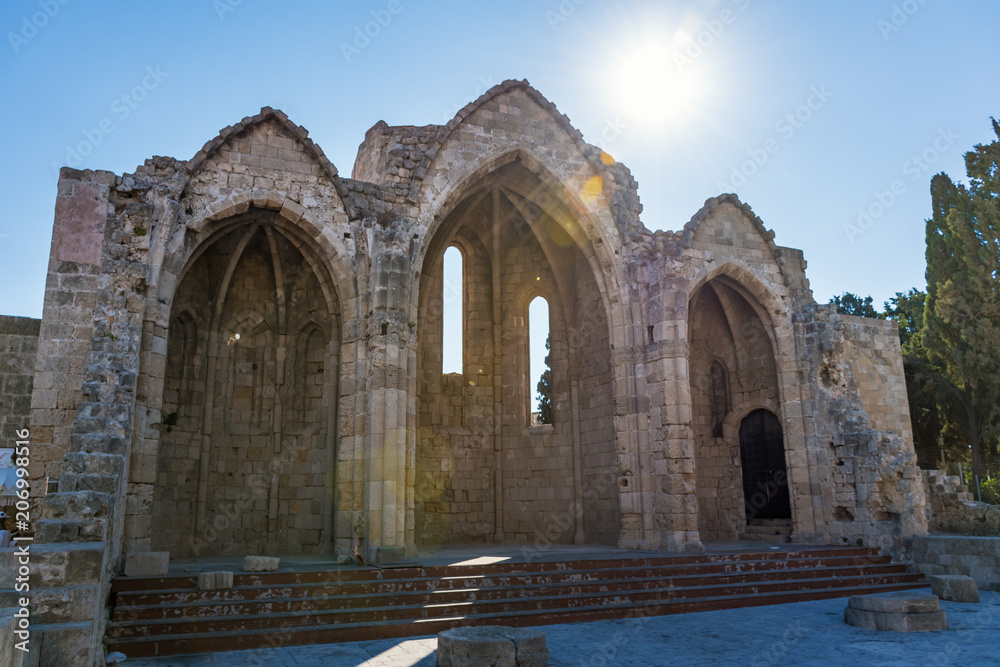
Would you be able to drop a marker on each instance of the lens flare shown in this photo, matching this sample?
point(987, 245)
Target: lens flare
point(591, 190)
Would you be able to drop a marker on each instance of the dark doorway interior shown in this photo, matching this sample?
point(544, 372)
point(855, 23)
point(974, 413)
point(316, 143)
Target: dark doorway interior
point(765, 479)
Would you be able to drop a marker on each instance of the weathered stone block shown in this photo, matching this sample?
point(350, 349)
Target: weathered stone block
point(260, 564)
point(889, 622)
point(214, 581)
point(147, 564)
point(72, 604)
point(64, 644)
point(492, 645)
point(64, 564)
point(8, 654)
point(955, 588)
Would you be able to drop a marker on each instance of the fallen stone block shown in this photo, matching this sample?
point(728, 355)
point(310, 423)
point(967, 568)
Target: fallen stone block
point(147, 564)
point(954, 587)
point(260, 564)
point(494, 645)
point(215, 581)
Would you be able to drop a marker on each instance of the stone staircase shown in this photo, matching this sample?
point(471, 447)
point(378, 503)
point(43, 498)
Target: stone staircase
point(169, 616)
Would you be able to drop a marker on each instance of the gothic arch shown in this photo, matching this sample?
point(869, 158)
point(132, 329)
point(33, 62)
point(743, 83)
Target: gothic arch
point(510, 257)
point(266, 399)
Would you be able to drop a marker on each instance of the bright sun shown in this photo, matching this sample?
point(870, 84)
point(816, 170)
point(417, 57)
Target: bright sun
point(651, 88)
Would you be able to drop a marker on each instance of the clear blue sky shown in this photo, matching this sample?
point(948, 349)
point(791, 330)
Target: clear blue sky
point(878, 97)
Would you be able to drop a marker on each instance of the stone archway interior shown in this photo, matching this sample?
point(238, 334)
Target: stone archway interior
point(733, 370)
point(484, 471)
point(246, 443)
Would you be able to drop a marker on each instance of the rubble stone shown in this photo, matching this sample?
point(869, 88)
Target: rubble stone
point(954, 587)
point(260, 564)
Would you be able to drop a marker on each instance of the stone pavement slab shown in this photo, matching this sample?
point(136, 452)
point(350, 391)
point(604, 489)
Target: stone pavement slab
point(802, 634)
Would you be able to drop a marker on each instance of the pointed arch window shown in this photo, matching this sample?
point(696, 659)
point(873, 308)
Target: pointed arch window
point(539, 373)
point(452, 315)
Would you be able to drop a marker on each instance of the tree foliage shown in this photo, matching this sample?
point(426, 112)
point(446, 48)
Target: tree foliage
point(933, 409)
point(852, 304)
point(545, 390)
point(961, 331)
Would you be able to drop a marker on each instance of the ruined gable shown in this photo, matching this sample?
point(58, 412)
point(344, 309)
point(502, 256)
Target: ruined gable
point(727, 231)
point(263, 156)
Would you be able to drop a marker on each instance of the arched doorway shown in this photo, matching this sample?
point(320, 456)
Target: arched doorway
point(246, 452)
point(762, 457)
point(733, 370)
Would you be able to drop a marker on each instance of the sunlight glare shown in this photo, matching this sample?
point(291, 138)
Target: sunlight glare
point(649, 87)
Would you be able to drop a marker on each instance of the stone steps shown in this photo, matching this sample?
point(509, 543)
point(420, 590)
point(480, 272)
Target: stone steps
point(169, 616)
point(323, 597)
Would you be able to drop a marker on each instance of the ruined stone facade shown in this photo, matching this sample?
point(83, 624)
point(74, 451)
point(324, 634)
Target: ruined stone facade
point(242, 353)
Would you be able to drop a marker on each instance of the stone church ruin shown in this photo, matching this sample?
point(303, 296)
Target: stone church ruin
point(241, 353)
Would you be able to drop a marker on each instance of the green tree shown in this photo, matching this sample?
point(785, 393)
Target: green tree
point(931, 397)
point(907, 309)
point(545, 390)
point(852, 304)
point(961, 331)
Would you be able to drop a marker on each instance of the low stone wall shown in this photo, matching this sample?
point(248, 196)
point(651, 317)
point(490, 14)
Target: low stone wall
point(952, 511)
point(968, 518)
point(976, 557)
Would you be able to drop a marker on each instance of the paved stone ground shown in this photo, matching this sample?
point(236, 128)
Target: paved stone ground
point(790, 635)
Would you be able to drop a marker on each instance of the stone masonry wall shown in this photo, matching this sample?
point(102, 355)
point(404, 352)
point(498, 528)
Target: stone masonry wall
point(267, 353)
point(600, 478)
point(877, 489)
point(67, 316)
point(18, 349)
point(976, 557)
